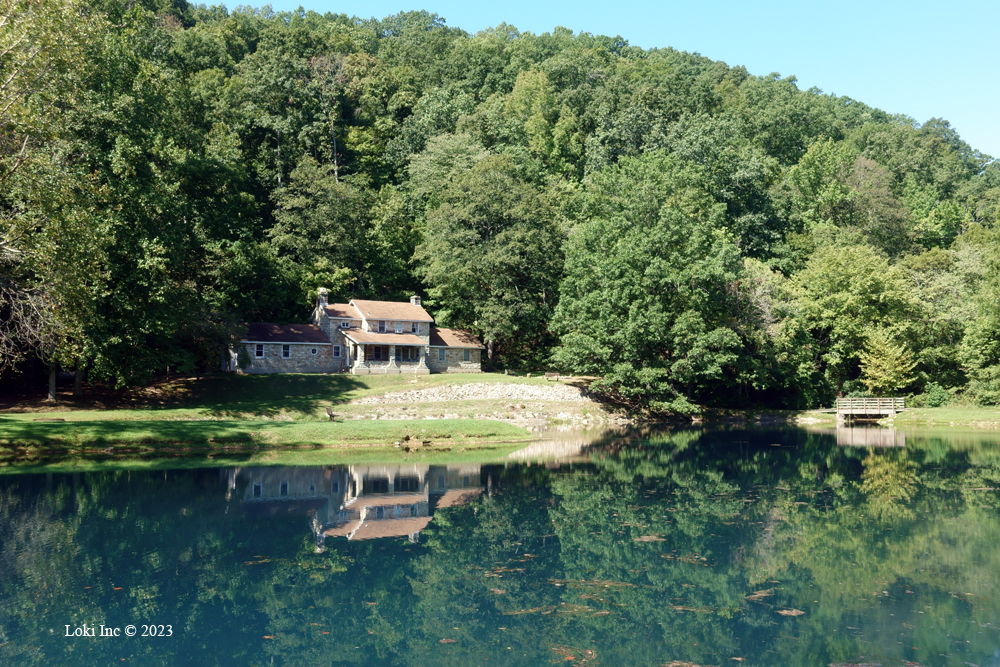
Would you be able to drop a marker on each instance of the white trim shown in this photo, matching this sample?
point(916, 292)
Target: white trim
point(459, 347)
point(336, 351)
point(277, 342)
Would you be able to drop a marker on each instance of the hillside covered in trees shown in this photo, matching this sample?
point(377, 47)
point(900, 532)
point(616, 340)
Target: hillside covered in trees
point(688, 232)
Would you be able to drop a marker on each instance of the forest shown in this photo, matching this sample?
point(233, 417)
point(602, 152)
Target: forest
point(686, 232)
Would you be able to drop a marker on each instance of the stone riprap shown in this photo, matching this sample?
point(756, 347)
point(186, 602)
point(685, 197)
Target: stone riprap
point(478, 391)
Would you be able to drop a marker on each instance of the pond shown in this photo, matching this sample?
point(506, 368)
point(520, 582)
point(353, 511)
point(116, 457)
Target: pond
point(682, 547)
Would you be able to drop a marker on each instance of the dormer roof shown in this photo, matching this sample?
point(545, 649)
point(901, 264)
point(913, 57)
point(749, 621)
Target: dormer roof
point(342, 311)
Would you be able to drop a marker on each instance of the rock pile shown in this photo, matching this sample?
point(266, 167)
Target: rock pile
point(479, 391)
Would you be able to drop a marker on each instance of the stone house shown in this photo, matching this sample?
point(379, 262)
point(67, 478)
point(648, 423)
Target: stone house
point(288, 348)
point(360, 337)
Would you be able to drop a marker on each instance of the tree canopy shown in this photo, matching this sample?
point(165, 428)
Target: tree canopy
point(683, 230)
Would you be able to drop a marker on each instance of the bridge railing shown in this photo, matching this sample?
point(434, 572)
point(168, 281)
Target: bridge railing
point(870, 405)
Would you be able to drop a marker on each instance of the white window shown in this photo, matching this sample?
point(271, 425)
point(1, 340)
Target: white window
point(336, 351)
point(399, 327)
point(381, 326)
point(286, 351)
point(313, 351)
point(441, 354)
point(414, 327)
point(259, 351)
point(345, 324)
point(284, 489)
point(466, 355)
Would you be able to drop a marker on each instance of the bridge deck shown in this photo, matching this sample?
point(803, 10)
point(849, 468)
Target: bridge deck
point(869, 406)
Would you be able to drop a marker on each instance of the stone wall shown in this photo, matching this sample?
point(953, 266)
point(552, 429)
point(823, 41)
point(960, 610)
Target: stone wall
point(302, 360)
point(453, 361)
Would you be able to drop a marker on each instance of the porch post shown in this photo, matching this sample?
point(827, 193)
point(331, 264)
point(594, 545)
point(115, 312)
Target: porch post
point(393, 366)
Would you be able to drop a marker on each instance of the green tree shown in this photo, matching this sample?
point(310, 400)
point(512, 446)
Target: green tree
point(886, 364)
point(492, 258)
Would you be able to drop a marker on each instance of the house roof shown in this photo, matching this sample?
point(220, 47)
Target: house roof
point(369, 338)
point(453, 338)
point(391, 310)
point(390, 528)
point(342, 311)
point(341, 529)
point(456, 497)
point(265, 332)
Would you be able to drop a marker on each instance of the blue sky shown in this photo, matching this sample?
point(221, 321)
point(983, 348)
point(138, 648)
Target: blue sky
point(919, 58)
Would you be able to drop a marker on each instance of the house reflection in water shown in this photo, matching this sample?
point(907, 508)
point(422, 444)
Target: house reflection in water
point(358, 502)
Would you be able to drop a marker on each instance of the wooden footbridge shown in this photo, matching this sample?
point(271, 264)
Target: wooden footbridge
point(868, 407)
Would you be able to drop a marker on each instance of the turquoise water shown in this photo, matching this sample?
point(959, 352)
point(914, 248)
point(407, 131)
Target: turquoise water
point(660, 547)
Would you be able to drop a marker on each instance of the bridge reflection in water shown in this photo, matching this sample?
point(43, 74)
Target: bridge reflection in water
point(864, 436)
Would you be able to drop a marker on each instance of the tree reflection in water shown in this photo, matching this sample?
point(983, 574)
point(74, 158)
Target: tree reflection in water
point(774, 545)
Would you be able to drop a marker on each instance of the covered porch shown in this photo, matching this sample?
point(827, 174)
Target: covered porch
point(376, 354)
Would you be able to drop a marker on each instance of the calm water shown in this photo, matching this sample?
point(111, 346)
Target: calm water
point(685, 548)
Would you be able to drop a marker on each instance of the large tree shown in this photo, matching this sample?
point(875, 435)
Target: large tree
point(492, 258)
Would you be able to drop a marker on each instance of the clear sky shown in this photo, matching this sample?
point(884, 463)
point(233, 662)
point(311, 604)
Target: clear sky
point(920, 58)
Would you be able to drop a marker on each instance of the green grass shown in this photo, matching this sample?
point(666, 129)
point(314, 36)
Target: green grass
point(987, 417)
point(230, 419)
point(228, 396)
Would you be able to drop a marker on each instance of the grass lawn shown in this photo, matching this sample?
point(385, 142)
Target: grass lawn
point(228, 396)
point(986, 417)
point(243, 418)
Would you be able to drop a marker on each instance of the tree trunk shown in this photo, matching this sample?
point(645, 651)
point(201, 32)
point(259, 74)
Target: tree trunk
point(489, 356)
point(53, 369)
point(78, 380)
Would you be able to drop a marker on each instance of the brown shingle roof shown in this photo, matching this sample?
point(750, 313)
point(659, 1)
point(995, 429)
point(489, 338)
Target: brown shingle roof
point(264, 332)
point(390, 528)
point(456, 497)
point(453, 338)
point(392, 310)
point(341, 529)
point(369, 338)
point(342, 311)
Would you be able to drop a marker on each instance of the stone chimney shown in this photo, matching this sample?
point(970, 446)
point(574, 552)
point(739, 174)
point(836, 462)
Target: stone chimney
point(415, 300)
point(322, 297)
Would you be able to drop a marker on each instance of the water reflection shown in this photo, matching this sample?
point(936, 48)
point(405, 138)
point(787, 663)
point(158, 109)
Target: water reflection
point(864, 436)
point(773, 546)
point(358, 502)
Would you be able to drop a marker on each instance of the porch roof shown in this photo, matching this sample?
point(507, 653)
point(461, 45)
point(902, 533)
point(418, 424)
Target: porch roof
point(389, 528)
point(369, 338)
